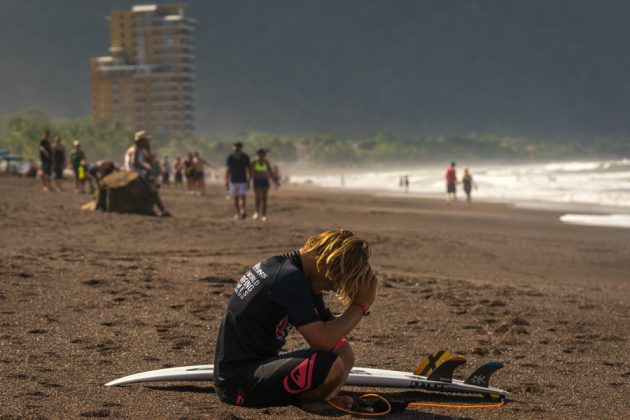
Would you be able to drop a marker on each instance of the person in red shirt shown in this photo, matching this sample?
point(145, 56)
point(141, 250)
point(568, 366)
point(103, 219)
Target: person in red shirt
point(451, 181)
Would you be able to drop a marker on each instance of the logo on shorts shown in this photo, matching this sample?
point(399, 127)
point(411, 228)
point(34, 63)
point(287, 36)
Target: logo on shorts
point(300, 378)
point(282, 328)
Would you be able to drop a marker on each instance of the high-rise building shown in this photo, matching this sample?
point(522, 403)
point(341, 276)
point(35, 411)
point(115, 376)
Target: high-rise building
point(147, 80)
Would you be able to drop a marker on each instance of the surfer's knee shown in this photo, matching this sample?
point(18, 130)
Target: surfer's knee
point(346, 355)
point(336, 373)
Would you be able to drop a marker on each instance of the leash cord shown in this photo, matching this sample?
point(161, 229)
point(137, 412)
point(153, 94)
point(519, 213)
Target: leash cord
point(382, 413)
point(411, 404)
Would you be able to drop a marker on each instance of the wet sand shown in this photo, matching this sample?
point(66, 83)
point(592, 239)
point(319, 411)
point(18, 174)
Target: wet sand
point(88, 297)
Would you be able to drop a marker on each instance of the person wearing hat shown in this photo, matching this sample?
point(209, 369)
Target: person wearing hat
point(76, 157)
point(237, 176)
point(262, 172)
point(138, 159)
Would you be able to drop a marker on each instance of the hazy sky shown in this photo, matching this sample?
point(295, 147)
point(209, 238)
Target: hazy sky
point(354, 66)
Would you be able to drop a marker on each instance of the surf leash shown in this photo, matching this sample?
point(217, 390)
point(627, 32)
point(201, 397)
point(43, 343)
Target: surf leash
point(379, 406)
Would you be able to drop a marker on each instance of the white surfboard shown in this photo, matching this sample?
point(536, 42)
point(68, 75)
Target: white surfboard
point(358, 377)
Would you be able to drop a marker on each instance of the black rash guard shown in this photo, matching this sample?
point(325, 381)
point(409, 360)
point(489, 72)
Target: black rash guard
point(271, 298)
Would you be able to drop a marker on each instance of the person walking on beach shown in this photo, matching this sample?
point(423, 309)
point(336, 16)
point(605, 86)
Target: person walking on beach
point(469, 183)
point(76, 157)
point(59, 161)
point(451, 181)
point(237, 178)
point(45, 157)
point(262, 174)
point(285, 292)
point(138, 159)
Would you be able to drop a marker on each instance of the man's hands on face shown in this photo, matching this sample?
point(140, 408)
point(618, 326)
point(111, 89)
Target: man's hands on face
point(367, 288)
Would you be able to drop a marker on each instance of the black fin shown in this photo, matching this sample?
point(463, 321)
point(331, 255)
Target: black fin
point(481, 377)
point(444, 372)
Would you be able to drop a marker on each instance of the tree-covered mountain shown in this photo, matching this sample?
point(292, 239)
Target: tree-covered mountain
point(408, 67)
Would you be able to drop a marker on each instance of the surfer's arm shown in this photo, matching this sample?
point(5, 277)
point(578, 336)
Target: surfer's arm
point(324, 336)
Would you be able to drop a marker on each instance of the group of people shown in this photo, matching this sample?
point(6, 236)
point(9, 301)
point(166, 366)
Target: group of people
point(241, 172)
point(54, 160)
point(192, 169)
point(451, 183)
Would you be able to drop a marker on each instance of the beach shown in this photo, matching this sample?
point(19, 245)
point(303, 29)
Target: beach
point(87, 297)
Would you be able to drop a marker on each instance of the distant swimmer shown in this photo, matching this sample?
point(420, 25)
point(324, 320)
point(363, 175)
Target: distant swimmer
point(283, 293)
point(451, 181)
point(237, 178)
point(469, 183)
point(45, 157)
point(262, 174)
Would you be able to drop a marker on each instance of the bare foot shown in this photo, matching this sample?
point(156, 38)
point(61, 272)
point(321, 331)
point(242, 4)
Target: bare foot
point(340, 401)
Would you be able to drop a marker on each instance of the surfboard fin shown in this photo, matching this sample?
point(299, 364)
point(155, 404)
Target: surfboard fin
point(429, 364)
point(444, 372)
point(481, 377)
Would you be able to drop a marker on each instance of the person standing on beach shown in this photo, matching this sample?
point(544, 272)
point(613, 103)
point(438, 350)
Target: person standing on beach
point(451, 181)
point(76, 157)
point(237, 178)
point(468, 182)
point(45, 157)
point(59, 161)
point(188, 172)
point(262, 174)
point(178, 167)
point(165, 169)
point(285, 292)
point(199, 174)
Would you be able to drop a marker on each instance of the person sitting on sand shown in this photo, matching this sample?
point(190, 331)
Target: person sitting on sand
point(100, 170)
point(138, 159)
point(285, 292)
point(261, 173)
point(451, 181)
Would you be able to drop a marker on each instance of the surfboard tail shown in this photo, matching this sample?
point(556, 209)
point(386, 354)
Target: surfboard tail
point(481, 377)
point(428, 365)
point(444, 372)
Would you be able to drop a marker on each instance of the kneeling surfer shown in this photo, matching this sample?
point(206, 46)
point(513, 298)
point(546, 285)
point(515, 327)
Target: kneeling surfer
point(283, 292)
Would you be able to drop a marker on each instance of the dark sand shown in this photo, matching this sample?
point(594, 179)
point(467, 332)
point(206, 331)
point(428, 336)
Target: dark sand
point(88, 297)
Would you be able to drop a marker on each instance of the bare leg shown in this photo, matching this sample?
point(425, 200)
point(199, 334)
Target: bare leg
point(263, 199)
point(243, 211)
point(237, 205)
point(258, 195)
point(316, 399)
